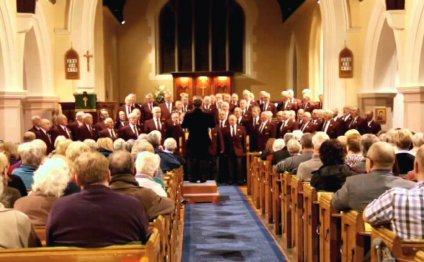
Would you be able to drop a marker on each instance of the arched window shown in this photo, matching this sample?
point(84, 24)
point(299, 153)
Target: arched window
point(201, 35)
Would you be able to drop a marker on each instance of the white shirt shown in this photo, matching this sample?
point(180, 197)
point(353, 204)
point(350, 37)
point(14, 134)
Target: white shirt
point(151, 184)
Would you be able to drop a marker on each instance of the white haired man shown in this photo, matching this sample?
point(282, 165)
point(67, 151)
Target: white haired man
point(168, 160)
point(156, 122)
point(147, 107)
point(109, 130)
point(167, 107)
point(86, 130)
point(132, 130)
point(147, 165)
point(36, 122)
point(265, 130)
point(45, 135)
point(61, 129)
point(305, 169)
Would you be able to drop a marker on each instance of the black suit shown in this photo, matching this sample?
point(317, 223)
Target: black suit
point(198, 123)
point(47, 138)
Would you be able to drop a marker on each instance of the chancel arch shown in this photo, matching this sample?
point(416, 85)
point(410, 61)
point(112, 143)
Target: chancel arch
point(316, 66)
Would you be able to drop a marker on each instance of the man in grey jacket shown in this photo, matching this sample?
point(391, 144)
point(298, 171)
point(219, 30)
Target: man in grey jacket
point(358, 191)
point(292, 163)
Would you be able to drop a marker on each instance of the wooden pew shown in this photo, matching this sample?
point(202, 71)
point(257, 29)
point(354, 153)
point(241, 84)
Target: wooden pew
point(256, 182)
point(268, 191)
point(310, 213)
point(286, 210)
point(276, 202)
point(297, 218)
point(419, 257)
point(262, 178)
point(402, 250)
point(115, 253)
point(355, 238)
point(329, 236)
point(41, 233)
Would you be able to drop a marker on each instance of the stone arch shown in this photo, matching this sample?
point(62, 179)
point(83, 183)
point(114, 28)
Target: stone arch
point(292, 71)
point(32, 70)
point(8, 74)
point(315, 55)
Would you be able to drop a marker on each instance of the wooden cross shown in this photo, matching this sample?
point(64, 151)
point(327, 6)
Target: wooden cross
point(85, 99)
point(88, 56)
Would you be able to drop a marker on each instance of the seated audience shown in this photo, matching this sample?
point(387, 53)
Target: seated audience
point(16, 228)
point(292, 163)
point(121, 166)
point(61, 146)
point(354, 154)
point(119, 144)
point(358, 191)
point(105, 146)
point(168, 161)
point(268, 149)
point(277, 148)
point(417, 141)
point(75, 149)
point(97, 216)
point(332, 174)
point(304, 172)
point(155, 139)
point(283, 153)
point(401, 208)
point(50, 181)
point(31, 156)
point(10, 194)
point(147, 165)
point(404, 157)
point(367, 141)
point(91, 143)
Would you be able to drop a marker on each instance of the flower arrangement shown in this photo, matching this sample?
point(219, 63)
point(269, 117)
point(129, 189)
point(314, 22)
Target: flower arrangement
point(160, 94)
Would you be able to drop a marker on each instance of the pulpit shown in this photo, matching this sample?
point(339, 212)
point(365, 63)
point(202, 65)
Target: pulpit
point(202, 83)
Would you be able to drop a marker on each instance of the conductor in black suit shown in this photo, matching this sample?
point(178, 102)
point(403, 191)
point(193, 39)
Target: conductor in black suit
point(198, 123)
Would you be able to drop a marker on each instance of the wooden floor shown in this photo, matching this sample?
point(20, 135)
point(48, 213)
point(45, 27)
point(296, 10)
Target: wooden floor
point(278, 239)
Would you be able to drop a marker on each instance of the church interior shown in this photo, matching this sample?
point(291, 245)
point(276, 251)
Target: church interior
point(240, 130)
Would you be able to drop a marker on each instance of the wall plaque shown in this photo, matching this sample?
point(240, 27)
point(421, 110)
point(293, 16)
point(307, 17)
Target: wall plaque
point(72, 66)
point(346, 63)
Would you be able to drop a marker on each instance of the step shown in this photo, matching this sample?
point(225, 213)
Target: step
point(202, 198)
point(200, 188)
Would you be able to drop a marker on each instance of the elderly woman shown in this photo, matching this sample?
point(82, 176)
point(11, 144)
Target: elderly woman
point(155, 138)
point(62, 145)
point(354, 154)
point(32, 155)
point(119, 144)
point(147, 165)
point(10, 194)
point(105, 146)
point(15, 227)
point(417, 141)
point(268, 149)
point(92, 144)
point(75, 149)
point(332, 174)
point(50, 181)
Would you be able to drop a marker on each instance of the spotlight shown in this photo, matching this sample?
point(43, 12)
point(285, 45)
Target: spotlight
point(123, 22)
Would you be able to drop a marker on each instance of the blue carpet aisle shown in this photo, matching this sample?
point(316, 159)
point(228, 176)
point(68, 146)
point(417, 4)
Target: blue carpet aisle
point(228, 231)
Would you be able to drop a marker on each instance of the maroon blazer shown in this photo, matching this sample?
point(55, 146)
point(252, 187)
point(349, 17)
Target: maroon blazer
point(270, 107)
point(175, 131)
point(119, 124)
point(149, 126)
point(289, 127)
point(105, 133)
point(262, 137)
point(47, 138)
point(59, 131)
point(166, 114)
point(373, 127)
point(331, 129)
point(146, 112)
point(234, 145)
point(308, 127)
point(127, 133)
point(123, 108)
point(82, 133)
point(100, 125)
point(285, 106)
point(217, 142)
point(359, 124)
point(308, 107)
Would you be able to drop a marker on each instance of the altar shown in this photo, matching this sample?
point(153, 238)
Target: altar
point(202, 83)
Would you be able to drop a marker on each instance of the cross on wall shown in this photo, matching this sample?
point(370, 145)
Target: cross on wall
point(88, 56)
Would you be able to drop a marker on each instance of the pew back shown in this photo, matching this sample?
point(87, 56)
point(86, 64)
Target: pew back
point(310, 209)
point(355, 239)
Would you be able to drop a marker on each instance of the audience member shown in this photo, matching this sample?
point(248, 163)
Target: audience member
point(401, 208)
point(168, 160)
point(268, 149)
point(90, 218)
point(121, 166)
point(10, 194)
point(404, 157)
point(417, 141)
point(31, 155)
point(358, 191)
point(305, 170)
point(105, 146)
point(16, 228)
point(147, 165)
point(119, 144)
point(50, 181)
point(332, 174)
point(75, 149)
point(367, 141)
point(354, 154)
point(277, 148)
point(292, 163)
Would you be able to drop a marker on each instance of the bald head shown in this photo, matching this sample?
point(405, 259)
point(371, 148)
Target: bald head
point(381, 155)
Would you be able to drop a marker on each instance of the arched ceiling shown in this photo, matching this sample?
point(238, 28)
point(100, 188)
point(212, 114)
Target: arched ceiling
point(288, 7)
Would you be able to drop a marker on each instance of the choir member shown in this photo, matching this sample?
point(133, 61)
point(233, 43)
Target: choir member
point(109, 130)
point(61, 129)
point(372, 126)
point(146, 109)
point(122, 120)
point(86, 130)
point(265, 130)
point(167, 107)
point(44, 134)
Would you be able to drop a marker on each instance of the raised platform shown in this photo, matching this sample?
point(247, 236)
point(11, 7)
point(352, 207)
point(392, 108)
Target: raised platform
point(201, 192)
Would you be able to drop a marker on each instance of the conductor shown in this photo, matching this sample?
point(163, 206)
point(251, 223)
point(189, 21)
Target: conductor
point(198, 123)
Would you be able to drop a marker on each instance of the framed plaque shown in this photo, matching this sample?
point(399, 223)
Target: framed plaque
point(346, 63)
point(72, 65)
